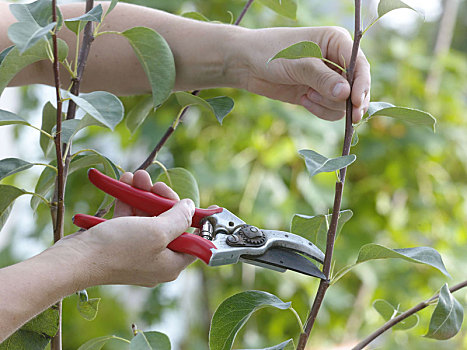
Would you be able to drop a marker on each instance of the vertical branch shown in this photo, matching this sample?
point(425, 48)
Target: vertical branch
point(331, 236)
point(170, 130)
point(58, 208)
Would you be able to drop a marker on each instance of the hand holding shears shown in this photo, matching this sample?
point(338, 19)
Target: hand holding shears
point(223, 237)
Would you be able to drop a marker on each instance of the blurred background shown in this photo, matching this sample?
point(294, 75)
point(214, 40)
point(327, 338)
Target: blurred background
point(407, 188)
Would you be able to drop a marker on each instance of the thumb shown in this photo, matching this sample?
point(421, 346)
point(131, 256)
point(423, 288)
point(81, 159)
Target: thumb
point(324, 80)
point(176, 220)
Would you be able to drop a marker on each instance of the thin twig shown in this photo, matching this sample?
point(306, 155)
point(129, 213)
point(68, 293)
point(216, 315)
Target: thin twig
point(58, 207)
point(324, 284)
point(170, 130)
point(392, 322)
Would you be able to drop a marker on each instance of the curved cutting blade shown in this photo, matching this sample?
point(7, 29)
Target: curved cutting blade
point(281, 259)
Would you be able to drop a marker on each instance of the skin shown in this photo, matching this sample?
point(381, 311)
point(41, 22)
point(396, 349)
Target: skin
point(132, 249)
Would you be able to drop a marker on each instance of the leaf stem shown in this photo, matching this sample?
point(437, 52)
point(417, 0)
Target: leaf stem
point(170, 130)
point(299, 320)
point(107, 32)
point(391, 323)
point(48, 166)
point(370, 25)
point(334, 64)
point(39, 196)
point(324, 283)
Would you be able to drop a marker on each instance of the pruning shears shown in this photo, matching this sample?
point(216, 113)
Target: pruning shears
point(222, 238)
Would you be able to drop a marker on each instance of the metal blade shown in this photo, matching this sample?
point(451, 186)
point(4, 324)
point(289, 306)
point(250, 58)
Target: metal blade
point(280, 259)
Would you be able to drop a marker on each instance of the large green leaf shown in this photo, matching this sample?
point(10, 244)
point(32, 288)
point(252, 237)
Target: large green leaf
point(446, 320)
point(157, 60)
point(315, 228)
point(112, 5)
point(77, 24)
point(8, 118)
point(5, 52)
point(219, 107)
point(234, 312)
point(101, 105)
point(36, 334)
point(14, 62)
point(182, 182)
point(10, 166)
point(138, 114)
point(39, 12)
point(49, 119)
point(71, 127)
point(303, 49)
point(47, 178)
point(286, 8)
point(386, 6)
point(287, 345)
point(317, 163)
point(419, 255)
point(150, 341)
point(8, 194)
point(25, 34)
point(406, 114)
point(98, 343)
point(388, 312)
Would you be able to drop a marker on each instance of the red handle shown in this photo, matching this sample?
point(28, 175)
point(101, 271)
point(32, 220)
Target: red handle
point(149, 202)
point(186, 243)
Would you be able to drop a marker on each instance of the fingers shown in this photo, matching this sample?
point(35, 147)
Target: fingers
point(163, 190)
point(123, 209)
point(320, 111)
point(176, 220)
point(361, 88)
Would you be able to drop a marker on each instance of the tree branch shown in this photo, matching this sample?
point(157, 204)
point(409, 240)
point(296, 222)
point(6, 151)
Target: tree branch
point(170, 130)
point(331, 236)
point(392, 322)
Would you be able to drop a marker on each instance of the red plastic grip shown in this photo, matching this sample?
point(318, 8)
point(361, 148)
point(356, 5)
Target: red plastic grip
point(146, 201)
point(187, 243)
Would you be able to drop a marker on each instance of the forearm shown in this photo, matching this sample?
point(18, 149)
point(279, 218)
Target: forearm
point(31, 286)
point(204, 53)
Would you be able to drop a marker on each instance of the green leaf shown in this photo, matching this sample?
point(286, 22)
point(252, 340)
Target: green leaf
point(5, 52)
point(303, 49)
point(217, 106)
point(98, 343)
point(195, 15)
point(386, 6)
point(8, 118)
point(150, 341)
point(101, 105)
point(26, 34)
point(221, 106)
point(286, 8)
point(8, 194)
point(39, 12)
point(112, 5)
point(182, 182)
point(10, 166)
point(77, 24)
point(88, 308)
point(47, 178)
point(71, 127)
point(406, 114)
point(14, 62)
point(234, 312)
point(287, 345)
point(157, 60)
point(388, 312)
point(49, 119)
point(317, 163)
point(315, 228)
point(446, 320)
point(419, 255)
point(35, 334)
point(138, 114)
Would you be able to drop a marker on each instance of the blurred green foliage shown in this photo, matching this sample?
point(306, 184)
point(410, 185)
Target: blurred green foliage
point(407, 188)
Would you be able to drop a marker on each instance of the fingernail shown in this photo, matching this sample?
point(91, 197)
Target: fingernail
point(307, 103)
point(362, 99)
point(188, 203)
point(315, 96)
point(338, 89)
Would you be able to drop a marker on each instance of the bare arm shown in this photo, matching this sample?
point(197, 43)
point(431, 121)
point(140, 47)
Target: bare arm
point(215, 55)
